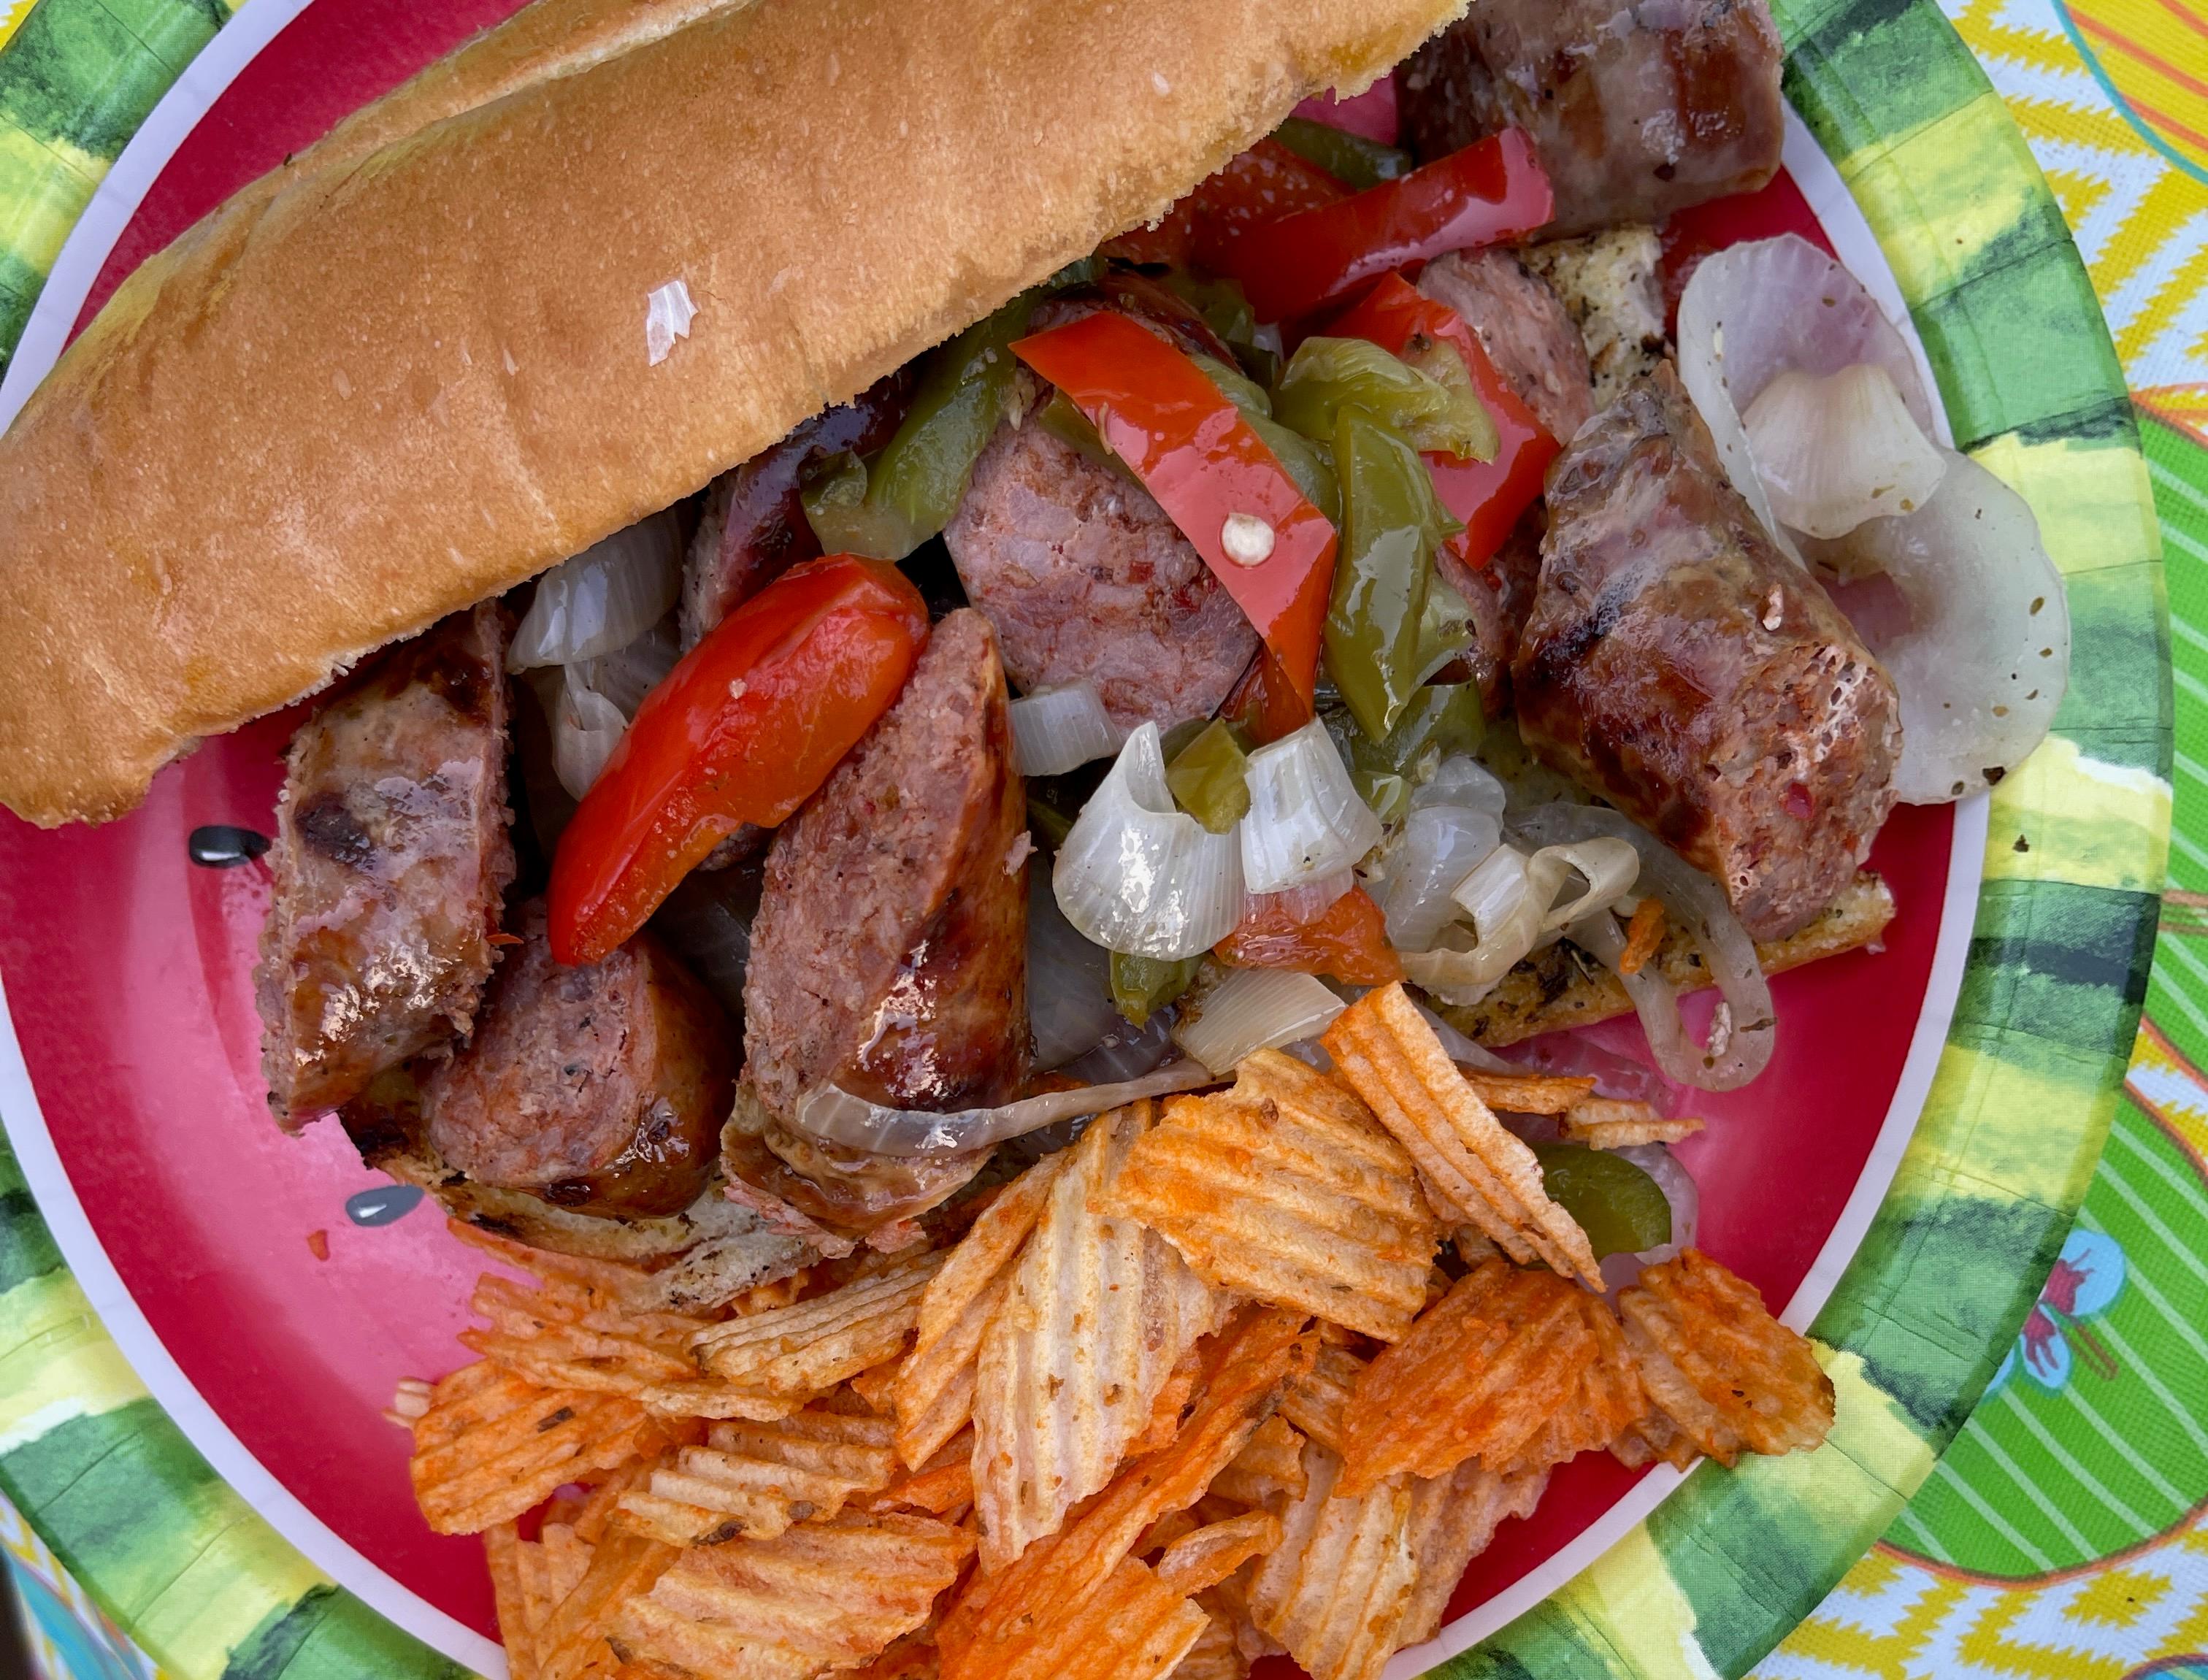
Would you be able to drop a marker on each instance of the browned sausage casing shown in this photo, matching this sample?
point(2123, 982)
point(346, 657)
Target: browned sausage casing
point(1637, 108)
point(754, 529)
point(599, 1088)
point(1526, 330)
point(1682, 664)
point(391, 860)
point(889, 952)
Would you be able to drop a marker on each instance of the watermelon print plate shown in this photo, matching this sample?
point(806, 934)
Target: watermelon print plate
point(204, 1454)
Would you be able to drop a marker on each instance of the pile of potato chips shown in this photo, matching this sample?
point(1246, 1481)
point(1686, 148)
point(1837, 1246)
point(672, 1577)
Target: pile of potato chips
point(1249, 1372)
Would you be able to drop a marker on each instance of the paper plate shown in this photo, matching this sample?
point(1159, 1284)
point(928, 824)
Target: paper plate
point(1900, 1180)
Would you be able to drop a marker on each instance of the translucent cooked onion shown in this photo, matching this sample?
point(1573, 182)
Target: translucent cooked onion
point(1069, 983)
point(1463, 780)
point(626, 675)
point(1981, 655)
point(1695, 903)
point(1754, 310)
point(834, 1116)
point(1609, 867)
point(1059, 729)
point(1500, 898)
point(603, 598)
point(586, 727)
point(1305, 820)
point(1252, 1009)
point(1136, 875)
point(1836, 451)
point(1440, 845)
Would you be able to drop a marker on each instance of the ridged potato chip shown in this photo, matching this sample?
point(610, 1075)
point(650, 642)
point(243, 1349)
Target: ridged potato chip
point(1316, 1398)
point(820, 1596)
point(1337, 1589)
point(572, 1640)
point(1000, 1620)
point(1475, 1172)
point(1099, 1312)
point(1199, 1560)
point(1479, 1376)
point(1453, 1518)
point(516, 1628)
point(934, 1394)
point(793, 1354)
point(1215, 1655)
point(1269, 1469)
point(1607, 1404)
point(1726, 1373)
point(1526, 1093)
point(757, 1479)
point(1130, 1627)
point(492, 1444)
point(1287, 1190)
point(1609, 1124)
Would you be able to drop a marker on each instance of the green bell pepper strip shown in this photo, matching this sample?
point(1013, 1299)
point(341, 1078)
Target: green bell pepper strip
point(1142, 986)
point(908, 494)
point(1351, 158)
point(1209, 777)
point(1325, 375)
point(1380, 642)
point(1622, 1209)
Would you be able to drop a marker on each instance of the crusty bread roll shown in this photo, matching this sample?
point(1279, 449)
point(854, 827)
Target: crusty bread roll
point(409, 370)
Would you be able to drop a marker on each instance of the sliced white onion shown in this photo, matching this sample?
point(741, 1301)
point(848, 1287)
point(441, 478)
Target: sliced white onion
point(626, 675)
point(1138, 875)
point(586, 727)
point(835, 1116)
point(1499, 895)
point(1440, 845)
point(1982, 657)
point(1753, 310)
point(1252, 1009)
point(1305, 821)
point(1069, 983)
point(1463, 780)
point(1059, 729)
point(1696, 904)
point(603, 598)
point(1610, 867)
point(1836, 451)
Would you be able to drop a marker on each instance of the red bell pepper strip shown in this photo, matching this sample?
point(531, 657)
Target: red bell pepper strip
point(1492, 190)
point(1348, 939)
point(1194, 452)
point(1488, 496)
point(1265, 182)
point(743, 730)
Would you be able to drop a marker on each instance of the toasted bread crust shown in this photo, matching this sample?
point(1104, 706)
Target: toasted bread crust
point(408, 370)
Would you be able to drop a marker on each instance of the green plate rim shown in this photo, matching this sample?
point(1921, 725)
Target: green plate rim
point(2025, 1090)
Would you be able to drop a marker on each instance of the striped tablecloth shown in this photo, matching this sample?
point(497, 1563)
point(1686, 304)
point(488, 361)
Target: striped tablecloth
point(2066, 1532)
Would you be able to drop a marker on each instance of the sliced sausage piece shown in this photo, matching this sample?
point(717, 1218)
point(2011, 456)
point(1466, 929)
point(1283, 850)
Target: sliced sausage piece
point(890, 951)
point(391, 860)
point(1525, 329)
point(1636, 110)
point(1500, 594)
point(600, 1089)
point(1085, 577)
point(754, 529)
point(1680, 663)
